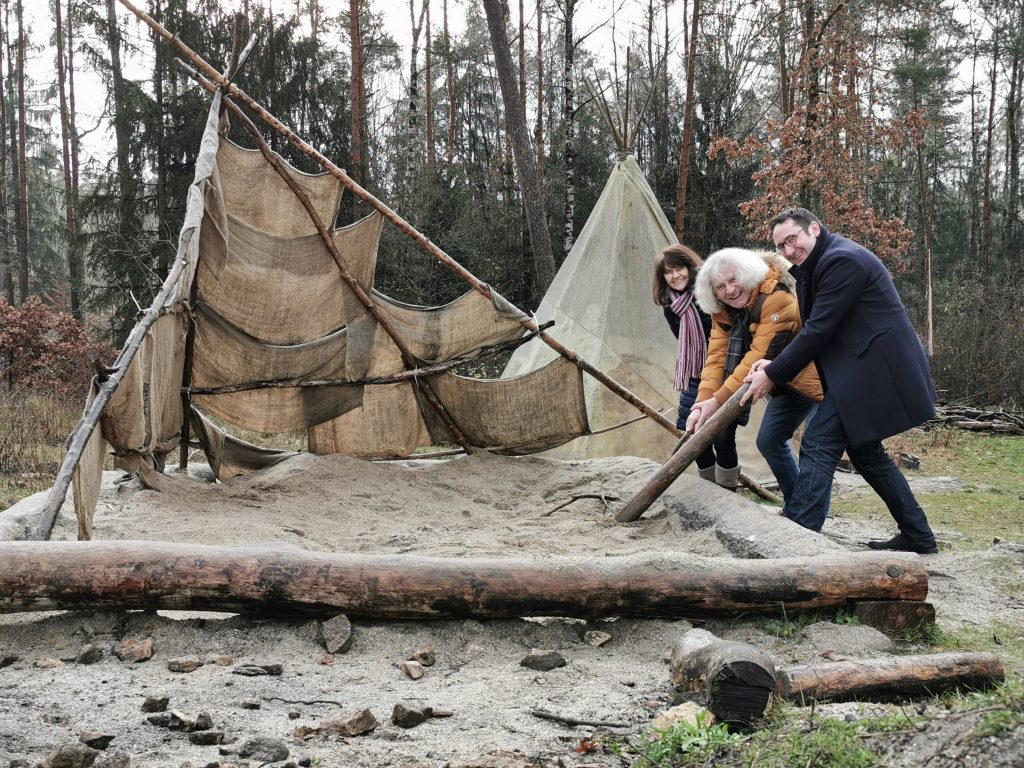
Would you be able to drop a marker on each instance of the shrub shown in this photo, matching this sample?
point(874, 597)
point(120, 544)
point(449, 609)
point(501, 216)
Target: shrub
point(45, 350)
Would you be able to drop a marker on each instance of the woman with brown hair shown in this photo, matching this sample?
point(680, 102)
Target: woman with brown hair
point(675, 274)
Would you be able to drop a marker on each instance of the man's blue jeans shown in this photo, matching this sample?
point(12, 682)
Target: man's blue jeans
point(785, 411)
point(820, 451)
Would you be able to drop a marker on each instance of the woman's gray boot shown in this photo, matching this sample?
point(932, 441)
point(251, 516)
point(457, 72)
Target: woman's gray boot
point(727, 478)
point(708, 473)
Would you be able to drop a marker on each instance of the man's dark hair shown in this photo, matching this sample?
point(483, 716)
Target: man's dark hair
point(801, 216)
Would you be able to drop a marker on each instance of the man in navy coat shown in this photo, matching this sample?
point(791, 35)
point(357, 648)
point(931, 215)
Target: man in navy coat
point(872, 367)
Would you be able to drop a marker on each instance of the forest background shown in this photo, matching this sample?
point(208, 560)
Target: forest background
point(898, 122)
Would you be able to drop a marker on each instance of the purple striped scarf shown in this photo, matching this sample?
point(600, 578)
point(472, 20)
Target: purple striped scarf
point(693, 347)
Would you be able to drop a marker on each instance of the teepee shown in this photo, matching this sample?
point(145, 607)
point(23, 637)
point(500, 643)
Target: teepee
point(601, 305)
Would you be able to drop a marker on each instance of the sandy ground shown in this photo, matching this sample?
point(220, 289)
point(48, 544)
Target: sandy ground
point(481, 506)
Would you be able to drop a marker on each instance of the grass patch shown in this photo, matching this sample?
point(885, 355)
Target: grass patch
point(986, 509)
point(33, 429)
point(682, 744)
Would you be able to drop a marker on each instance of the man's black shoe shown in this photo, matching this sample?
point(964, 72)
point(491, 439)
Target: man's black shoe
point(901, 543)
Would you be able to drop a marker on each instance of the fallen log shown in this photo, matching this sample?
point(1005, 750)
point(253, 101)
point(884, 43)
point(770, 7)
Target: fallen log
point(893, 677)
point(736, 680)
point(46, 576)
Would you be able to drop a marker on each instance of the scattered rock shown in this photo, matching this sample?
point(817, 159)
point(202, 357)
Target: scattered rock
point(265, 749)
point(224, 661)
point(349, 724)
point(89, 653)
point(542, 661)
point(413, 669)
point(116, 759)
point(48, 663)
point(71, 755)
point(848, 639)
point(686, 712)
point(294, 715)
point(203, 722)
point(254, 670)
point(251, 704)
point(6, 661)
point(134, 651)
point(336, 634)
point(96, 739)
point(596, 638)
point(174, 721)
point(186, 664)
point(206, 738)
point(424, 655)
point(156, 704)
point(409, 717)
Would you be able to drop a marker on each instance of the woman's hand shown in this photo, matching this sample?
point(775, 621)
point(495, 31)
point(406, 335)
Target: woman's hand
point(700, 413)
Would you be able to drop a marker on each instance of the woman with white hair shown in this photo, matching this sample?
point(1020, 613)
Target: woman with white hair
point(754, 314)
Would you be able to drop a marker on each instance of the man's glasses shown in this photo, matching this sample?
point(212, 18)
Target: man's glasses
point(789, 241)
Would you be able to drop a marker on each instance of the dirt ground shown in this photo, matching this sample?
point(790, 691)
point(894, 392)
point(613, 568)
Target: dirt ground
point(482, 506)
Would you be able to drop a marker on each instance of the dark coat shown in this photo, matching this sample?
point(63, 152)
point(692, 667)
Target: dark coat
point(859, 335)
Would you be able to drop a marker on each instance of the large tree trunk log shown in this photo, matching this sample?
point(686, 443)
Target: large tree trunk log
point(737, 680)
point(893, 677)
point(44, 576)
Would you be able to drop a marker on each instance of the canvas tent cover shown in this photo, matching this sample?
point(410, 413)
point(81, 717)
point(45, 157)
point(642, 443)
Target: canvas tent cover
point(269, 305)
point(603, 309)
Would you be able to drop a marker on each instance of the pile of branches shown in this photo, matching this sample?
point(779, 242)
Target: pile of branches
point(978, 419)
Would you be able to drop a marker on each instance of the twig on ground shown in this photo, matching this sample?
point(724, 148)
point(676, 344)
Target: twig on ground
point(543, 713)
point(604, 497)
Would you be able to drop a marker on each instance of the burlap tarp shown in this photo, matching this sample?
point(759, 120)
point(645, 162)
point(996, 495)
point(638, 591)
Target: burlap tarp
point(271, 311)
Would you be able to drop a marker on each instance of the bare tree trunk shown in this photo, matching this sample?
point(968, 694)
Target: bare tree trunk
point(429, 92)
point(75, 265)
point(23, 229)
point(162, 202)
point(533, 201)
point(522, 59)
point(569, 123)
point(412, 124)
point(1013, 149)
point(449, 67)
point(538, 130)
point(685, 149)
point(121, 127)
point(6, 251)
point(785, 95)
point(358, 95)
point(984, 263)
point(926, 235)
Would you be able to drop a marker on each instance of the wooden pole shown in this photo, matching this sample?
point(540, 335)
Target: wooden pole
point(200, 64)
point(682, 458)
point(164, 298)
point(100, 575)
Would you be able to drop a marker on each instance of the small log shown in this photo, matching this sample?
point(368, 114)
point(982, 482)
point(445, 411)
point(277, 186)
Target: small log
point(737, 680)
point(47, 576)
point(894, 615)
point(890, 678)
point(687, 453)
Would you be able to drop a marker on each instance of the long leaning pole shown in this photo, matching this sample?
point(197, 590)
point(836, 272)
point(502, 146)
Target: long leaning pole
point(424, 242)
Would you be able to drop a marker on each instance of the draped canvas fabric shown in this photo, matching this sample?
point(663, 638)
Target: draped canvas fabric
point(267, 328)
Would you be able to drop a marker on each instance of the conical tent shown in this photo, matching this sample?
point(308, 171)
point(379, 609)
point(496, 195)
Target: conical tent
point(602, 307)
